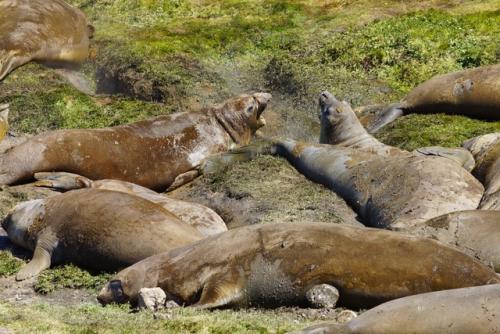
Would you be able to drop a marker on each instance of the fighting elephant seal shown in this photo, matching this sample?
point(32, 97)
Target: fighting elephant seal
point(277, 264)
point(340, 126)
point(475, 232)
point(472, 310)
point(156, 153)
point(81, 226)
point(472, 92)
point(204, 219)
point(486, 151)
point(50, 32)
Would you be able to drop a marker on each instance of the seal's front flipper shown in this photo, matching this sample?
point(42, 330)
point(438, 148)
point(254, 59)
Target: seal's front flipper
point(61, 180)
point(182, 179)
point(39, 262)
point(460, 155)
point(219, 291)
point(390, 115)
point(219, 162)
point(77, 80)
point(4, 120)
point(9, 61)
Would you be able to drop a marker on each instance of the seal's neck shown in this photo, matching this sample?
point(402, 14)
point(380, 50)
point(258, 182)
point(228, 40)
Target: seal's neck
point(234, 124)
point(345, 128)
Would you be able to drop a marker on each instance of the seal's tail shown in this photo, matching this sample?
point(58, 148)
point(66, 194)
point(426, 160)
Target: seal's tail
point(219, 162)
point(388, 116)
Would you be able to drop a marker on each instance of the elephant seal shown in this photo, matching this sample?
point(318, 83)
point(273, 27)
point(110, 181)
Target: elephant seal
point(458, 311)
point(204, 219)
point(277, 264)
point(472, 92)
point(486, 151)
point(475, 232)
point(50, 32)
point(81, 226)
point(340, 126)
point(153, 153)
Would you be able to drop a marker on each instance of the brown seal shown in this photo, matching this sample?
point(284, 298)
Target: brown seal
point(486, 151)
point(151, 153)
point(204, 219)
point(475, 232)
point(472, 92)
point(50, 32)
point(466, 311)
point(277, 264)
point(340, 126)
point(81, 226)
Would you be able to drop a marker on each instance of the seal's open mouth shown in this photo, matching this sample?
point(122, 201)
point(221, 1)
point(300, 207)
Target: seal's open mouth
point(262, 100)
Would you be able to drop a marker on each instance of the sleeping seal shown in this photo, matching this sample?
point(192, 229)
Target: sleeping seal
point(472, 92)
point(272, 265)
point(156, 153)
point(486, 151)
point(472, 310)
point(50, 32)
point(81, 226)
point(204, 219)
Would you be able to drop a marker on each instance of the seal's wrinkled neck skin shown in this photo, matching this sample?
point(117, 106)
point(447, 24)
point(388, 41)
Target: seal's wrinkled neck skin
point(241, 117)
point(338, 121)
point(20, 219)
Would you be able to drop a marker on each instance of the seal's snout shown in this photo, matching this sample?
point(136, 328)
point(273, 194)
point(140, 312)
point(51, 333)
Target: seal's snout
point(262, 100)
point(112, 293)
point(326, 98)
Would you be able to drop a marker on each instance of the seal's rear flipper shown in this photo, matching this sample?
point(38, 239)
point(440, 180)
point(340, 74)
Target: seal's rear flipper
point(182, 179)
point(77, 80)
point(388, 116)
point(460, 155)
point(39, 262)
point(61, 180)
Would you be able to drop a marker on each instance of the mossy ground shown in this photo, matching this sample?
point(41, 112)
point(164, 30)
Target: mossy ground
point(166, 56)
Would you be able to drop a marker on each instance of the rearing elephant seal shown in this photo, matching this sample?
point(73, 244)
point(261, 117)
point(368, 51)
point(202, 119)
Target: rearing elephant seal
point(471, 310)
point(47, 31)
point(156, 153)
point(204, 219)
point(276, 264)
point(486, 150)
point(472, 92)
point(97, 229)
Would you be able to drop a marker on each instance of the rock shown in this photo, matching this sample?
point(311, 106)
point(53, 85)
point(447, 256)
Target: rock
point(171, 304)
point(345, 316)
point(323, 296)
point(152, 299)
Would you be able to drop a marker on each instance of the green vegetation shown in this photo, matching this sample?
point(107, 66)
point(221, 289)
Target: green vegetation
point(9, 265)
point(69, 276)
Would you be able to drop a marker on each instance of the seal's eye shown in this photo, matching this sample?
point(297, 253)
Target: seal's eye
point(250, 109)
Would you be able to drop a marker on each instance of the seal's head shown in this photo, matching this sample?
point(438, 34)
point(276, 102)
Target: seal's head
point(241, 117)
point(338, 120)
point(124, 287)
point(20, 219)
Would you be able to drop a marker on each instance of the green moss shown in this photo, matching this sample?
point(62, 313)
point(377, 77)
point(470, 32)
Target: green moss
point(68, 276)
point(118, 319)
point(413, 131)
point(9, 265)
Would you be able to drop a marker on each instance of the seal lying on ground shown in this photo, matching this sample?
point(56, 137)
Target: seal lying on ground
point(204, 219)
point(472, 92)
point(340, 126)
point(458, 311)
point(156, 153)
point(96, 229)
point(277, 264)
point(50, 32)
point(486, 151)
point(475, 232)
